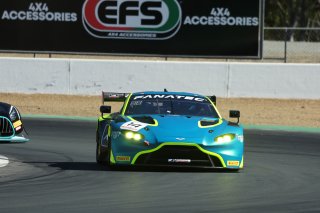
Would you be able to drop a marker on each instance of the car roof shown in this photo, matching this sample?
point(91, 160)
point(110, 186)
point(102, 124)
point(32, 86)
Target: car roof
point(167, 93)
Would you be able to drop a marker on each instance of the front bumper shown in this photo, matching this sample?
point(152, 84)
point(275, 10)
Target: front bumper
point(15, 139)
point(173, 155)
point(182, 155)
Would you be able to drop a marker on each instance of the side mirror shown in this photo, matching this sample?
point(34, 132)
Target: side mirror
point(105, 109)
point(213, 99)
point(234, 114)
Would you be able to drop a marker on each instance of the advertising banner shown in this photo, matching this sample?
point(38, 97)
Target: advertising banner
point(206, 28)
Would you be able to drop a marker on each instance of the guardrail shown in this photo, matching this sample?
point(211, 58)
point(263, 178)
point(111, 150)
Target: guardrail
point(227, 79)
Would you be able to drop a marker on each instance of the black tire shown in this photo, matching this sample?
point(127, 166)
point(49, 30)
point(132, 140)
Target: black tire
point(102, 154)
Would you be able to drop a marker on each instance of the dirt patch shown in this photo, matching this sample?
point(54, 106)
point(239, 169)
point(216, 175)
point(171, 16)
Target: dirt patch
point(253, 111)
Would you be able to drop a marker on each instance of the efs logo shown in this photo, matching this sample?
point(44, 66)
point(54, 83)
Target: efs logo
point(132, 19)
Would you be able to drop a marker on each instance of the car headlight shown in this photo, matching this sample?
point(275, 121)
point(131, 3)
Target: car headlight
point(224, 138)
point(133, 136)
point(13, 114)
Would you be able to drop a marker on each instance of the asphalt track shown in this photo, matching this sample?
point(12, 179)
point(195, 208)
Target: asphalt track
point(56, 172)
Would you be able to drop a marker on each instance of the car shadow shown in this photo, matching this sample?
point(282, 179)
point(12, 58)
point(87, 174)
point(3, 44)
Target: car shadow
point(92, 166)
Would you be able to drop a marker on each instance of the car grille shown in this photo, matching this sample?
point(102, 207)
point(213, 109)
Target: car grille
point(171, 155)
point(6, 128)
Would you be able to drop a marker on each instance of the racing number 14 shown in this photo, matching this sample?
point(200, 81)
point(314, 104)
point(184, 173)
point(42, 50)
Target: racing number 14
point(133, 125)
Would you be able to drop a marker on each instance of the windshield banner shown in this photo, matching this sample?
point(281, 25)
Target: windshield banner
point(170, 97)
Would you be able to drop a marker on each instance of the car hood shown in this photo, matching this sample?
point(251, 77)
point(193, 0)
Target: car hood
point(187, 129)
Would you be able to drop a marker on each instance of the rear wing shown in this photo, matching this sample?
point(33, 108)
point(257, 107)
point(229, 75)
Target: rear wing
point(213, 98)
point(113, 96)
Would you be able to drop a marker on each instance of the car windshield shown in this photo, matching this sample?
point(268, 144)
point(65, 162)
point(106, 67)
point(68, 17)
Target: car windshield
point(170, 104)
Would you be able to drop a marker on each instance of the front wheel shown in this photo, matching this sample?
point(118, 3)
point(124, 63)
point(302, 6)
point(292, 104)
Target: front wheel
point(102, 153)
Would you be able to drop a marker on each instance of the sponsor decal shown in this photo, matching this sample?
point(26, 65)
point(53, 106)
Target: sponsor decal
point(115, 95)
point(178, 97)
point(18, 128)
point(179, 160)
point(180, 139)
point(38, 11)
point(132, 19)
point(221, 17)
point(146, 143)
point(133, 126)
point(233, 163)
point(105, 135)
point(222, 28)
point(17, 124)
point(115, 134)
point(123, 158)
point(240, 138)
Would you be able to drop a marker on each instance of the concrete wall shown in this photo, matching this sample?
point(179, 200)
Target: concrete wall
point(90, 77)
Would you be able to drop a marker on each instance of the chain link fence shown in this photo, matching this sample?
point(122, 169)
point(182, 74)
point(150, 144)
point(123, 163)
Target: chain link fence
point(292, 45)
point(289, 45)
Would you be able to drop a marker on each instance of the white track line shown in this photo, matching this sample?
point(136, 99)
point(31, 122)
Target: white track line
point(4, 161)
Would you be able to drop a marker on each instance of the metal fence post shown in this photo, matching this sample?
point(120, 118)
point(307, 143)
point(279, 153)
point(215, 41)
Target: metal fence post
point(285, 45)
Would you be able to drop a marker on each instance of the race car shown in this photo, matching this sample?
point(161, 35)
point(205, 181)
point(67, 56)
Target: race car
point(168, 129)
point(11, 126)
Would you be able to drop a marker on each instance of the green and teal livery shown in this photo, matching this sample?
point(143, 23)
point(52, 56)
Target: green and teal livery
point(168, 129)
point(11, 125)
